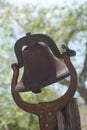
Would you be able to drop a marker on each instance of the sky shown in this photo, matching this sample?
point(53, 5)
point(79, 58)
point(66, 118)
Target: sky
point(45, 2)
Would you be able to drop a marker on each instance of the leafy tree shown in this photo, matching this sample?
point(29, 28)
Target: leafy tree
point(66, 25)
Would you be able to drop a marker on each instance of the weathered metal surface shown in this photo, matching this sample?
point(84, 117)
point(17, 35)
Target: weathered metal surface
point(41, 66)
point(46, 111)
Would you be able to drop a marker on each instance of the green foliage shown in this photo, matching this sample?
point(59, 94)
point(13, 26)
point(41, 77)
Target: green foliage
point(62, 24)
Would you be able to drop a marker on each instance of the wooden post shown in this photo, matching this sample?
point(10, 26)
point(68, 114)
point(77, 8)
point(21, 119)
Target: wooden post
point(69, 118)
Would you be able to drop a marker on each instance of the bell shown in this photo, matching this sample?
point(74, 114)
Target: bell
point(41, 68)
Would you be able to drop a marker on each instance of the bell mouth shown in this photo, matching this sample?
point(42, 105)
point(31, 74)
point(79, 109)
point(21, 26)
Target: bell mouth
point(20, 87)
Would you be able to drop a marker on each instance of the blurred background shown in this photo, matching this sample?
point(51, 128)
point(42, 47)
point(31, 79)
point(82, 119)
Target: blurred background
point(66, 22)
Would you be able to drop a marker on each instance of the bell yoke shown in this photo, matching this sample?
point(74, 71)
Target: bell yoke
point(40, 57)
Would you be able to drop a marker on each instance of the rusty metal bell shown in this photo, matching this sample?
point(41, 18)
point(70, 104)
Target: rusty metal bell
point(41, 66)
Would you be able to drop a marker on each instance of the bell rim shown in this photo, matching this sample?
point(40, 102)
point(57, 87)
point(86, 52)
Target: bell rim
point(23, 88)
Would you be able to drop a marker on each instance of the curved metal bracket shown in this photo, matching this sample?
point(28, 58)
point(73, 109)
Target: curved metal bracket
point(31, 39)
point(46, 111)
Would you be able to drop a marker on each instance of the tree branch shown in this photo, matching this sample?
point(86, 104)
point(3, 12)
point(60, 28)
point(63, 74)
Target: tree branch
point(81, 80)
point(84, 71)
point(72, 32)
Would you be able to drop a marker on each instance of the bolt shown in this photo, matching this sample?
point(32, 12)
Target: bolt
point(50, 113)
point(46, 124)
point(41, 116)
